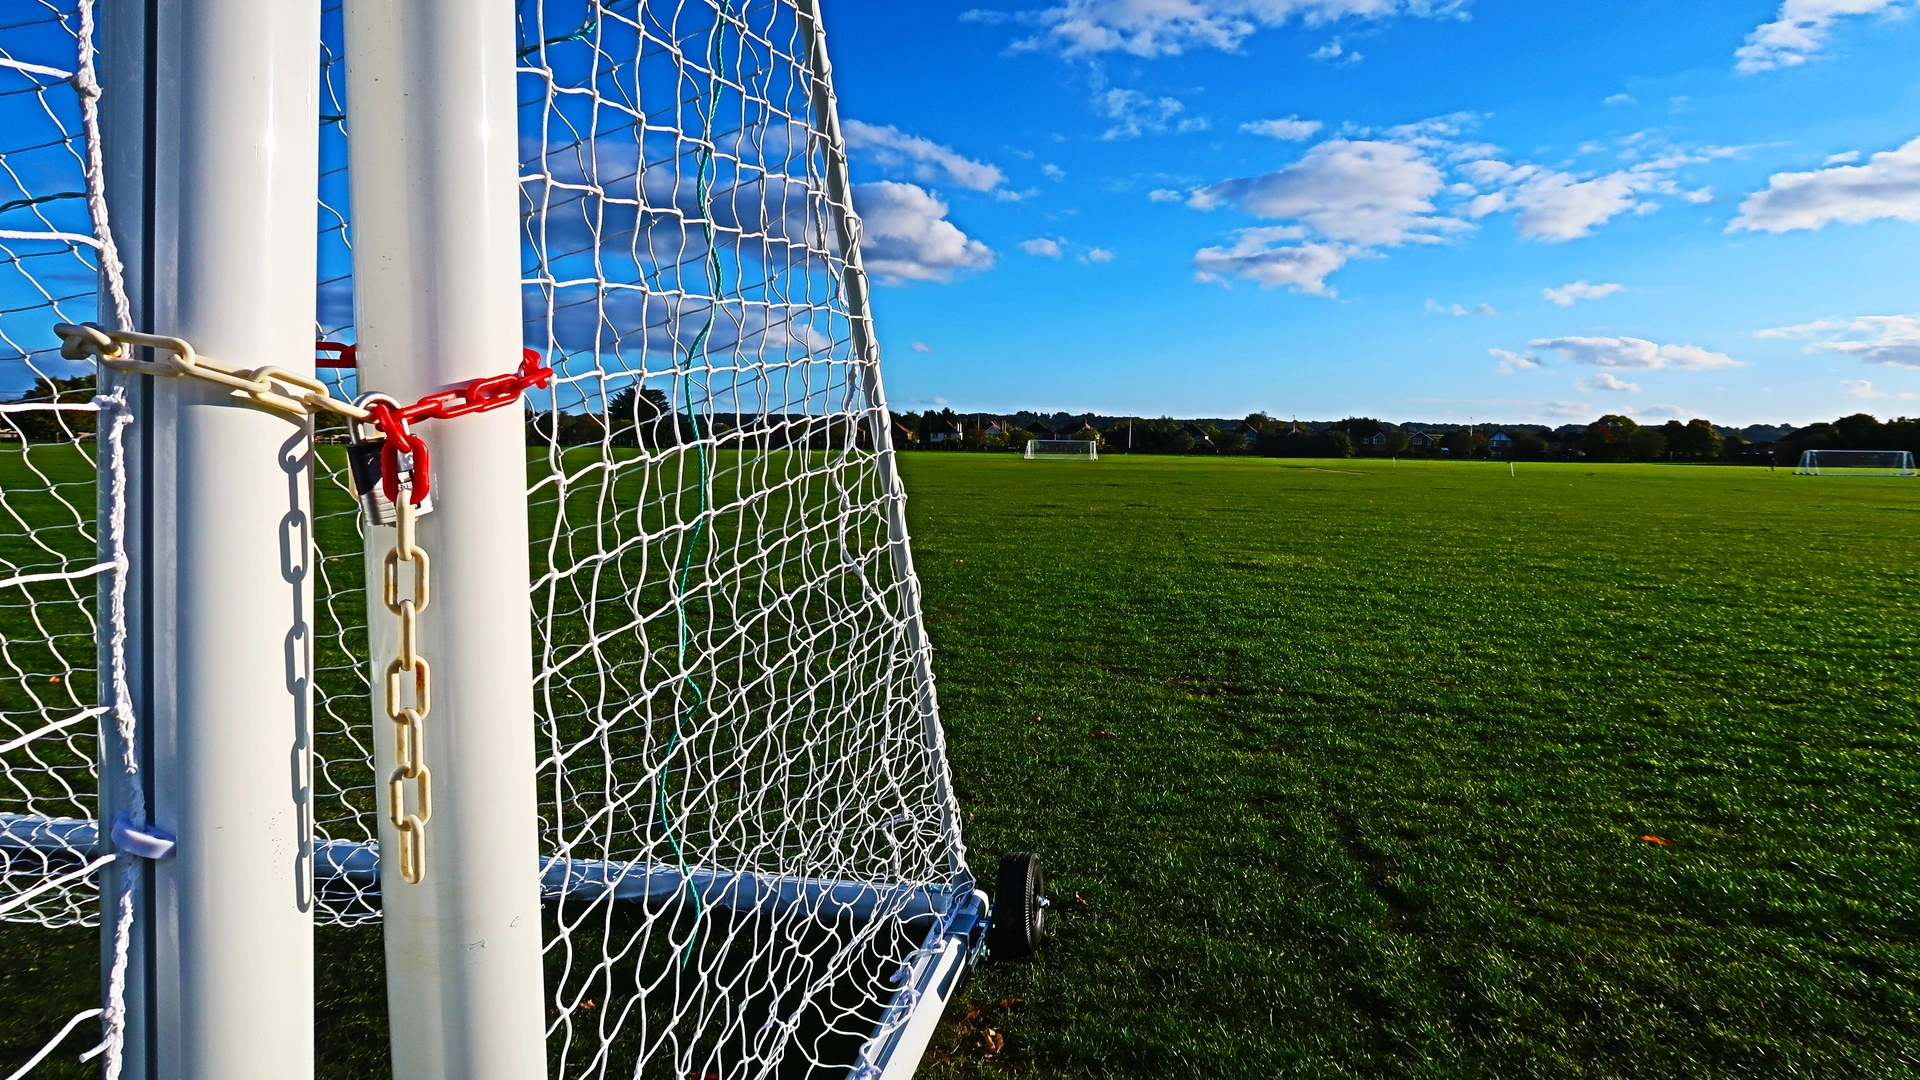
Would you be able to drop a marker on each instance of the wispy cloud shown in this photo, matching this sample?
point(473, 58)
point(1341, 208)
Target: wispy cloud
point(1429, 183)
point(1290, 128)
point(1135, 114)
point(1801, 30)
point(1335, 52)
point(890, 146)
point(922, 347)
point(1043, 246)
point(1605, 381)
point(1633, 352)
point(1460, 310)
point(1261, 255)
point(1877, 339)
point(1150, 28)
point(1511, 362)
point(1567, 295)
point(1887, 186)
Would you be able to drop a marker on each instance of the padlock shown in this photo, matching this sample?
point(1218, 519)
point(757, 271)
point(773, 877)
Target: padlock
point(366, 446)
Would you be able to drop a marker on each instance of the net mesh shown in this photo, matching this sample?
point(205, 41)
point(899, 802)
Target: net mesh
point(746, 823)
point(61, 568)
point(49, 544)
point(729, 671)
point(1856, 463)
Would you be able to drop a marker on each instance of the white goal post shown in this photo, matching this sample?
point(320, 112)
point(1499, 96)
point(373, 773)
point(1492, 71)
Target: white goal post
point(665, 716)
point(1063, 450)
point(1856, 463)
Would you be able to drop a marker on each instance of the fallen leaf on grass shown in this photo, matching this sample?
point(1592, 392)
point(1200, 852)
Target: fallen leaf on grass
point(1651, 839)
point(994, 1041)
point(1077, 900)
point(1103, 733)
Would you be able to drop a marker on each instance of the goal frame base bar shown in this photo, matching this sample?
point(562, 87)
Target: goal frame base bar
point(953, 945)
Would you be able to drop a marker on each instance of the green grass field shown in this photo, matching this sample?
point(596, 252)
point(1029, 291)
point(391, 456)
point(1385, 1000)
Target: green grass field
point(1343, 769)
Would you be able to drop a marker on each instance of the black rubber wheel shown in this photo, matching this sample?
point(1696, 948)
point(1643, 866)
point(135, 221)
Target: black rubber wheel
point(1019, 907)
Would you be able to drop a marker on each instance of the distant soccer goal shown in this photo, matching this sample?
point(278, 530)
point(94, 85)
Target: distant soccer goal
point(1856, 463)
point(1063, 450)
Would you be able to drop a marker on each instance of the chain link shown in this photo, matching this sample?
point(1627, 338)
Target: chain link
point(271, 388)
point(406, 477)
point(409, 732)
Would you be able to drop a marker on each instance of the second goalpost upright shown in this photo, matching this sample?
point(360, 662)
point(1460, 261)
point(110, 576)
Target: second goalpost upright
point(436, 253)
point(209, 144)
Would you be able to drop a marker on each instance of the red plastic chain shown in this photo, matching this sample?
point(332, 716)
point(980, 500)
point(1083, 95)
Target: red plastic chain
point(337, 355)
point(480, 395)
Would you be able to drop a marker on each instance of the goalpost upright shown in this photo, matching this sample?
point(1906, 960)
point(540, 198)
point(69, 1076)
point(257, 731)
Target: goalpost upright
point(209, 140)
point(434, 174)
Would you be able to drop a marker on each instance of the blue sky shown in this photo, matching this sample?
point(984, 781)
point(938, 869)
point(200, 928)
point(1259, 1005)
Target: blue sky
point(1413, 209)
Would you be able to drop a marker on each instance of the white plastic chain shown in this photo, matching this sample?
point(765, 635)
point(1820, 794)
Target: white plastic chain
point(409, 732)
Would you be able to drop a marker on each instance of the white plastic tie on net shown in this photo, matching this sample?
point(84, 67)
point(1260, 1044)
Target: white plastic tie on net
point(141, 841)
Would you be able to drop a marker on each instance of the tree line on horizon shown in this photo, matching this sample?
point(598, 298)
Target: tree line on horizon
point(644, 417)
point(1613, 437)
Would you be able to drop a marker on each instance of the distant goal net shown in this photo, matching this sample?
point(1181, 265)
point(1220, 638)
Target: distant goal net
point(1856, 463)
point(1063, 450)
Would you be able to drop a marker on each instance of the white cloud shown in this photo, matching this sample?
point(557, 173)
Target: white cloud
point(1335, 52)
point(1553, 205)
point(922, 347)
point(1671, 412)
point(1257, 256)
point(1290, 128)
point(1169, 27)
point(1632, 352)
point(1800, 30)
point(1459, 311)
point(907, 236)
point(1565, 295)
point(1366, 192)
point(1860, 388)
point(1621, 99)
point(1135, 114)
point(1556, 206)
point(890, 145)
point(1097, 255)
point(1041, 246)
point(1511, 362)
point(1053, 172)
point(1166, 195)
point(1887, 186)
point(1425, 182)
point(1877, 339)
point(1606, 381)
point(1847, 158)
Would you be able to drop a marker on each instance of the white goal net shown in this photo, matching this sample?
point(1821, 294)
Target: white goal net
point(750, 851)
point(1063, 450)
point(1856, 463)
